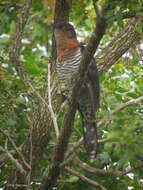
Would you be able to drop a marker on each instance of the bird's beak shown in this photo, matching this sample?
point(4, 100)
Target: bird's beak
point(55, 25)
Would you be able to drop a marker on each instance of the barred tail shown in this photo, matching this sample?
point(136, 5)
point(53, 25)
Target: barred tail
point(90, 138)
point(88, 123)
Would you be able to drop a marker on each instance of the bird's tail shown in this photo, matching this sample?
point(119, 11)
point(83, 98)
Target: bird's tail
point(88, 123)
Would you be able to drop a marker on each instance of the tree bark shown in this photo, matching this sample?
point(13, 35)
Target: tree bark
point(118, 46)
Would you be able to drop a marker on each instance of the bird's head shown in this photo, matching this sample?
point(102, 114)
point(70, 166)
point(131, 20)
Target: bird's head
point(64, 29)
point(66, 40)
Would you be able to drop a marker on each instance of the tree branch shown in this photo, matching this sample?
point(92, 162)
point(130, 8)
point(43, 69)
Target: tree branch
point(91, 169)
point(15, 161)
point(126, 104)
point(121, 107)
point(84, 178)
point(119, 45)
point(50, 104)
point(96, 9)
point(67, 160)
point(60, 147)
point(4, 156)
point(16, 45)
point(132, 168)
point(16, 149)
point(73, 148)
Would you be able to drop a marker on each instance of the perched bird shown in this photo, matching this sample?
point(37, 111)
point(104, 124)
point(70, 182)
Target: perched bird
point(69, 54)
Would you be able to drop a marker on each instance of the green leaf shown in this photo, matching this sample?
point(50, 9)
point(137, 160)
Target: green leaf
point(105, 158)
point(73, 179)
point(10, 122)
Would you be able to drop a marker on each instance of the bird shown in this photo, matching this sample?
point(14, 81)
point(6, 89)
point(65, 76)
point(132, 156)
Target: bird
point(69, 55)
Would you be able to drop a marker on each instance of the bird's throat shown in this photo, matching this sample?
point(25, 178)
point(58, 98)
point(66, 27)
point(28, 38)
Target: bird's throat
point(66, 47)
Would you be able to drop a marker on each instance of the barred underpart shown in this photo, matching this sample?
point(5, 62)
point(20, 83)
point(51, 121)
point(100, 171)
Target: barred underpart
point(67, 69)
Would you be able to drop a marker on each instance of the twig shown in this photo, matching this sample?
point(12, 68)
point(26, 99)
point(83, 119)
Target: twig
point(64, 163)
point(4, 156)
point(50, 103)
point(28, 118)
point(96, 9)
point(132, 168)
point(28, 178)
point(67, 160)
point(121, 107)
point(126, 104)
point(16, 149)
point(77, 144)
point(84, 178)
point(18, 165)
point(48, 106)
point(70, 154)
point(73, 148)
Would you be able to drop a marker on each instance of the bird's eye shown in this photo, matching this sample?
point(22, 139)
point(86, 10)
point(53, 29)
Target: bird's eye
point(66, 28)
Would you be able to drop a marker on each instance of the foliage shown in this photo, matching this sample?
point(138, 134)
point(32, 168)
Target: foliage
point(121, 135)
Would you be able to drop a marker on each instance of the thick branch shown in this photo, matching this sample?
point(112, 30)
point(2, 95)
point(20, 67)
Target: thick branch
point(118, 46)
point(96, 9)
point(60, 148)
